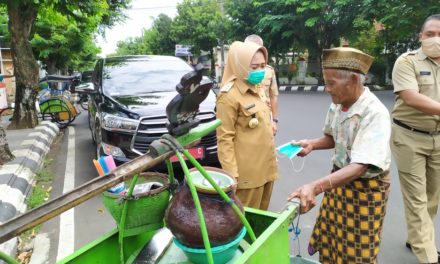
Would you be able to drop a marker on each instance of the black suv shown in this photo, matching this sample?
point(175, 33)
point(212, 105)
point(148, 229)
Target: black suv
point(127, 106)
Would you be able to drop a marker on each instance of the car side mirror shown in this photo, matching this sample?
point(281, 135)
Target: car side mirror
point(86, 88)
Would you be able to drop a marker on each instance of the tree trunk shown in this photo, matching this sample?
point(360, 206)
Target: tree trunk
point(22, 15)
point(51, 68)
point(211, 56)
point(5, 152)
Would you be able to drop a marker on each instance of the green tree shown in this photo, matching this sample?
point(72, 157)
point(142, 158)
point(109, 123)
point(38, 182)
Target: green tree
point(401, 19)
point(135, 46)
point(244, 17)
point(22, 16)
point(199, 23)
point(156, 40)
point(64, 44)
point(401, 22)
point(128, 46)
point(161, 42)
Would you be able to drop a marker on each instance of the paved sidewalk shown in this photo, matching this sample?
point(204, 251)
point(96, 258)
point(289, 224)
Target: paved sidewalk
point(29, 147)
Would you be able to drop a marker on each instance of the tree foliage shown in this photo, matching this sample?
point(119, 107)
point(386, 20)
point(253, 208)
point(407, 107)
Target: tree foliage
point(161, 41)
point(156, 40)
point(196, 24)
point(78, 17)
point(64, 44)
point(244, 17)
point(296, 25)
point(199, 23)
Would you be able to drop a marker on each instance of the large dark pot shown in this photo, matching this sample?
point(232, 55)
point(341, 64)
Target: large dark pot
point(222, 223)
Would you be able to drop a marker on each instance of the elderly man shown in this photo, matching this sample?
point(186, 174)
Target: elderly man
point(357, 126)
point(415, 139)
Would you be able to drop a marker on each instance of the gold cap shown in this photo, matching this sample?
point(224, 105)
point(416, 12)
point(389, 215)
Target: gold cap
point(346, 58)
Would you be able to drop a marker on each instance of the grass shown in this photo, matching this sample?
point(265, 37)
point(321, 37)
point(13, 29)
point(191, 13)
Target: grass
point(42, 186)
point(40, 193)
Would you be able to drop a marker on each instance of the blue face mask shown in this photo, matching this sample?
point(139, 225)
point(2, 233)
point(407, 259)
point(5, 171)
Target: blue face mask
point(255, 77)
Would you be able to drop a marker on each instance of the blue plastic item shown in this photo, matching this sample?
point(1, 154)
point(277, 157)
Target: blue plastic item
point(289, 150)
point(221, 254)
point(117, 188)
point(103, 164)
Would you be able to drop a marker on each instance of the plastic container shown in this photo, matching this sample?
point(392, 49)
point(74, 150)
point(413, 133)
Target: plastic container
point(221, 254)
point(117, 188)
point(146, 187)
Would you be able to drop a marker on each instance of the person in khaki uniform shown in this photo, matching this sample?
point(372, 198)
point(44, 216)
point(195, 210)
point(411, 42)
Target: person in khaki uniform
point(245, 139)
point(415, 140)
point(269, 85)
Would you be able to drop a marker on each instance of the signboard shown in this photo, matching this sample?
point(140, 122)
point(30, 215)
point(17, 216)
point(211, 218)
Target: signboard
point(183, 50)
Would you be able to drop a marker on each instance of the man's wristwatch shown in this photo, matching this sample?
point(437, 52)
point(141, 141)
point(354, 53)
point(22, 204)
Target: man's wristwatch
point(275, 120)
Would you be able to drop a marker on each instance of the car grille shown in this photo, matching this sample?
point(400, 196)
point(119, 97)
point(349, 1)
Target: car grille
point(152, 128)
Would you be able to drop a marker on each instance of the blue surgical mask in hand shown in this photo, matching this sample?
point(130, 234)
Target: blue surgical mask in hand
point(289, 150)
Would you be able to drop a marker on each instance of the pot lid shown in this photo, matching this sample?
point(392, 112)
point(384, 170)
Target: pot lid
point(219, 176)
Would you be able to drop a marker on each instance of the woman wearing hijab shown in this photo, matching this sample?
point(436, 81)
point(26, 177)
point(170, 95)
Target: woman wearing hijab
point(245, 138)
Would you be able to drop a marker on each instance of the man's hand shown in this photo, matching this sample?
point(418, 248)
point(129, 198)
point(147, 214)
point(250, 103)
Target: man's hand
point(307, 196)
point(305, 144)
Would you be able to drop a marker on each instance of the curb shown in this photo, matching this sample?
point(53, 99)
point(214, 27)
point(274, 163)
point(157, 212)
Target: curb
point(17, 176)
point(300, 88)
point(319, 88)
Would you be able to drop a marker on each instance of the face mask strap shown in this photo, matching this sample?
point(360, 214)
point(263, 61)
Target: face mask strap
point(301, 167)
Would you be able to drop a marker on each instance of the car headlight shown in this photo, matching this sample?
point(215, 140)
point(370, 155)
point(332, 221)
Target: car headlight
point(112, 122)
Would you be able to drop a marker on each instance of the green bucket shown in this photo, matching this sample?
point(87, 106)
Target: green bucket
point(145, 210)
point(221, 254)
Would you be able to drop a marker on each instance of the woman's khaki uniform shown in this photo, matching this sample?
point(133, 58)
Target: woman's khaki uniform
point(247, 153)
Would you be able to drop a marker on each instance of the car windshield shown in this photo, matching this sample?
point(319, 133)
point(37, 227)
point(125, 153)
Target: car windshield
point(143, 75)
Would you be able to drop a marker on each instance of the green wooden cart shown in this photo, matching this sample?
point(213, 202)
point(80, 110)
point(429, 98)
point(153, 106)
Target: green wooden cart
point(156, 246)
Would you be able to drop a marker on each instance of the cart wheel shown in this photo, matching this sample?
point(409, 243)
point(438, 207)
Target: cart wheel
point(59, 114)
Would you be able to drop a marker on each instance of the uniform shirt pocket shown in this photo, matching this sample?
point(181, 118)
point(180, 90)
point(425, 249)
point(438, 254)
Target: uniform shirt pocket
point(246, 113)
point(425, 82)
point(248, 110)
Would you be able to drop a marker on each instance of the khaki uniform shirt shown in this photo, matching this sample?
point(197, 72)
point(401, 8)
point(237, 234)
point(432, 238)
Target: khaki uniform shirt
point(269, 83)
point(415, 71)
point(361, 134)
point(247, 153)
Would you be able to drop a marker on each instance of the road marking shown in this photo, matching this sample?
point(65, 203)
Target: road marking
point(66, 240)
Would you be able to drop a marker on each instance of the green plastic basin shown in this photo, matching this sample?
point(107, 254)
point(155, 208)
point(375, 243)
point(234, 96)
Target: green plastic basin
point(221, 254)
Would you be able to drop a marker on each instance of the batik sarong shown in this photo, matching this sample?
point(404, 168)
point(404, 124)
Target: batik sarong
point(349, 223)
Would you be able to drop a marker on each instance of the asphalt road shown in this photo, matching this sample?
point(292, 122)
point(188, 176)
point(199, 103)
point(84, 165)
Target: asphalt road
point(301, 116)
